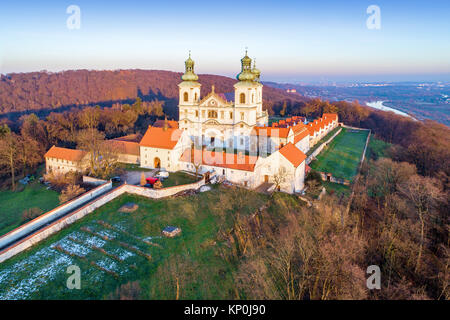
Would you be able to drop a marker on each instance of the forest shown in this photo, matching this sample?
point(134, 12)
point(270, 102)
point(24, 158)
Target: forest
point(398, 217)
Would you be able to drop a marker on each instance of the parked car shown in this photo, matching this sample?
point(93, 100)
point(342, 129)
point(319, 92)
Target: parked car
point(151, 180)
point(115, 179)
point(148, 185)
point(162, 174)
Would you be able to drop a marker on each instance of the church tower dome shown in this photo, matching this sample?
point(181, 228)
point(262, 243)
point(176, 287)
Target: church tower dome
point(256, 71)
point(189, 74)
point(246, 69)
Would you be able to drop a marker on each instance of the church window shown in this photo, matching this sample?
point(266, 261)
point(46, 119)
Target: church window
point(242, 141)
point(253, 98)
point(196, 113)
point(212, 114)
point(242, 116)
point(231, 114)
point(203, 113)
point(196, 98)
point(186, 96)
point(242, 98)
point(222, 114)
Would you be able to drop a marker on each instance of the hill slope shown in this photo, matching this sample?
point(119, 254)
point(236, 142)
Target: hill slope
point(45, 92)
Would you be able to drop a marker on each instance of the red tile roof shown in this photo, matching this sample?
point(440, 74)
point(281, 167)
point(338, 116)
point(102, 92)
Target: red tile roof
point(271, 132)
point(159, 138)
point(65, 154)
point(135, 137)
point(332, 116)
point(221, 159)
point(301, 134)
point(293, 154)
point(125, 147)
point(170, 124)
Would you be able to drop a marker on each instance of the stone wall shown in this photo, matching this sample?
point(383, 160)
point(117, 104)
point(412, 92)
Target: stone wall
point(50, 216)
point(34, 237)
point(320, 148)
point(93, 181)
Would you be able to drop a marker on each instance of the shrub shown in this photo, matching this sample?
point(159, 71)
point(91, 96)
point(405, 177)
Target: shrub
point(127, 291)
point(30, 214)
point(70, 192)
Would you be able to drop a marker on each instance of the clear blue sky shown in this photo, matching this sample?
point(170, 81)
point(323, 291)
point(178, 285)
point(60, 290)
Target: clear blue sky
point(292, 40)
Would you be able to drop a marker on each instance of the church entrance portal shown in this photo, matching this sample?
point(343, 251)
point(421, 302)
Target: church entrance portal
point(157, 163)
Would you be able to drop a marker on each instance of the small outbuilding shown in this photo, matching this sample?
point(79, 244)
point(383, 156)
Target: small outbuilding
point(171, 232)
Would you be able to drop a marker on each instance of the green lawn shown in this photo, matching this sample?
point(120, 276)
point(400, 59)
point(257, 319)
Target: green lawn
point(197, 257)
point(178, 178)
point(328, 136)
point(12, 204)
point(341, 157)
point(133, 167)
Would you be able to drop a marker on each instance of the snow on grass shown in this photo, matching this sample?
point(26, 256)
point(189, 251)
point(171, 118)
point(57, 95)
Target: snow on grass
point(108, 233)
point(121, 253)
point(38, 269)
point(94, 241)
point(108, 264)
point(72, 247)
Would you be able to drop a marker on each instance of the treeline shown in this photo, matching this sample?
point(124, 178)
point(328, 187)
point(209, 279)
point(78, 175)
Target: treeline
point(43, 92)
point(426, 144)
point(23, 143)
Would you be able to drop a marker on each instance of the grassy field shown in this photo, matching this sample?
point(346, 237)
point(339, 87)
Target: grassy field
point(178, 178)
point(12, 204)
point(112, 248)
point(341, 157)
point(328, 136)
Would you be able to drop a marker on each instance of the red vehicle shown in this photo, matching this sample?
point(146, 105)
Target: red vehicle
point(151, 180)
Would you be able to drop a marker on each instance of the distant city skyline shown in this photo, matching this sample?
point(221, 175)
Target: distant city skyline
point(292, 41)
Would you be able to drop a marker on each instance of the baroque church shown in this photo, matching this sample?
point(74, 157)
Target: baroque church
point(229, 137)
point(219, 122)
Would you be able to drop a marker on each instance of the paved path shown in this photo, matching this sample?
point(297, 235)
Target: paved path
point(263, 187)
point(134, 177)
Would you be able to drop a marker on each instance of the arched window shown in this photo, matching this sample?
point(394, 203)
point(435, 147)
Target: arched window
point(212, 114)
point(242, 98)
point(186, 96)
point(195, 96)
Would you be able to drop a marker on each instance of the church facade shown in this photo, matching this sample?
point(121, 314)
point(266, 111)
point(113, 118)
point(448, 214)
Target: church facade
point(216, 120)
point(228, 137)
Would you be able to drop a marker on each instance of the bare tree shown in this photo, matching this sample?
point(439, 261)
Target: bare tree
point(424, 195)
point(9, 151)
point(280, 177)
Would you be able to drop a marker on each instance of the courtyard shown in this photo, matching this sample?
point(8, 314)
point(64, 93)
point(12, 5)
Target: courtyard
point(342, 156)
